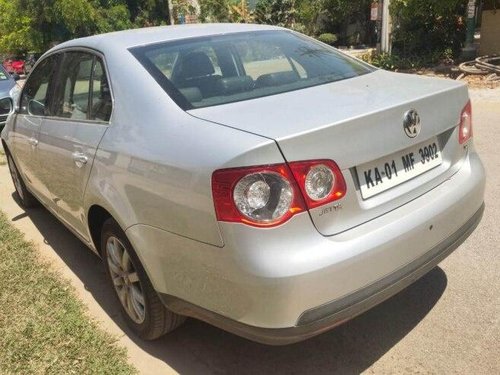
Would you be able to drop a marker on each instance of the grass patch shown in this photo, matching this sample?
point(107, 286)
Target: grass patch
point(43, 326)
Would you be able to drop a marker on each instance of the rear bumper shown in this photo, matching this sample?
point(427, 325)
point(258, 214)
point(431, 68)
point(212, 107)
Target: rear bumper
point(325, 317)
point(287, 283)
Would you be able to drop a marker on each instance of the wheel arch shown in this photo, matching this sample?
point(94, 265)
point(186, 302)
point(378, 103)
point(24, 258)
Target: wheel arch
point(96, 217)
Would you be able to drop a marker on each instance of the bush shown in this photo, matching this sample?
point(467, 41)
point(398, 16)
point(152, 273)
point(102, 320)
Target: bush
point(425, 28)
point(275, 12)
point(393, 62)
point(328, 38)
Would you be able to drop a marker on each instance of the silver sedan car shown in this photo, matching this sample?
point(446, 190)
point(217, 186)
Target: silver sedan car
point(245, 175)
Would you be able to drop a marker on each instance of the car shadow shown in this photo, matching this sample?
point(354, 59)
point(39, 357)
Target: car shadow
point(197, 347)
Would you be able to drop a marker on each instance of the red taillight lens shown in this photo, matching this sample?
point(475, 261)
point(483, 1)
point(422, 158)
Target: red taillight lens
point(266, 196)
point(261, 196)
point(321, 181)
point(465, 128)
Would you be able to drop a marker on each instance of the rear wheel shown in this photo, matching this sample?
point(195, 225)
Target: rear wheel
point(26, 198)
point(140, 305)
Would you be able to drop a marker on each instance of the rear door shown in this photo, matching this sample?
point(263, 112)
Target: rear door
point(34, 106)
point(69, 139)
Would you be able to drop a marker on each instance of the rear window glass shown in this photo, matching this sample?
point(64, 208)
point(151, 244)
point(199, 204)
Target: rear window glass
point(228, 68)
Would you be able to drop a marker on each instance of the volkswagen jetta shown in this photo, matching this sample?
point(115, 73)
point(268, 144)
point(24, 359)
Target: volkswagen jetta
point(245, 175)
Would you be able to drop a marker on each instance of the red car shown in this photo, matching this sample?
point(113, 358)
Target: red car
point(13, 65)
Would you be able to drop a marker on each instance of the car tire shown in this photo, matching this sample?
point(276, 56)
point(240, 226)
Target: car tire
point(140, 305)
point(25, 197)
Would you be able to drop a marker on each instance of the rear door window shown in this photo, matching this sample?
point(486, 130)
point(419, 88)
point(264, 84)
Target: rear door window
point(73, 91)
point(83, 91)
point(102, 104)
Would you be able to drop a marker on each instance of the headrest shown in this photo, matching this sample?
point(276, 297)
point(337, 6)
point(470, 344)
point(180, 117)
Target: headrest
point(192, 94)
point(232, 85)
point(196, 64)
point(276, 79)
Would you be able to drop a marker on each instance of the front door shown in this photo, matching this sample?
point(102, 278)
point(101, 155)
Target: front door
point(69, 139)
point(33, 107)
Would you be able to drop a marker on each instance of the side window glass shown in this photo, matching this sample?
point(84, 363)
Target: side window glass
point(35, 99)
point(101, 94)
point(72, 95)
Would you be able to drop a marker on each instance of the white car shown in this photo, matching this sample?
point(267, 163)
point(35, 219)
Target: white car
point(245, 175)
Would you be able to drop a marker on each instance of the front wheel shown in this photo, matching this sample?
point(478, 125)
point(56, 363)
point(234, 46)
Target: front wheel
point(26, 198)
point(140, 305)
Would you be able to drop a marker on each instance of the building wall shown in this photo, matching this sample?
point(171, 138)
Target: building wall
point(490, 33)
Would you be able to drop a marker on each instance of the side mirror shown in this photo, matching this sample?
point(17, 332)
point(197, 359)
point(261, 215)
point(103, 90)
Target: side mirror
point(16, 76)
point(36, 108)
point(6, 106)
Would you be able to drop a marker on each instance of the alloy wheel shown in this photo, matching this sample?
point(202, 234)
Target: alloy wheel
point(125, 280)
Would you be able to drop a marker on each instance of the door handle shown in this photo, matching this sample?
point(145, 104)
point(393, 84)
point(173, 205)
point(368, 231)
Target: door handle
point(80, 159)
point(33, 142)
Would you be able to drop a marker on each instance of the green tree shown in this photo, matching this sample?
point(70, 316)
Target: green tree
point(37, 24)
point(275, 12)
point(16, 30)
point(308, 13)
point(148, 12)
point(225, 11)
point(428, 27)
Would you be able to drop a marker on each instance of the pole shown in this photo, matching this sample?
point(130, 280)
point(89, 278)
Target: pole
point(171, 11)
point(469, 51)
point(386, 27)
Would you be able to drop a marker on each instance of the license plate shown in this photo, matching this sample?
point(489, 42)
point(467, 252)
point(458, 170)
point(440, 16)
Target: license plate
point(385, 173)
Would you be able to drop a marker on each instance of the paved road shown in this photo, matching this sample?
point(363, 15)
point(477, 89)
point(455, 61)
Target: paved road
point(448, 322)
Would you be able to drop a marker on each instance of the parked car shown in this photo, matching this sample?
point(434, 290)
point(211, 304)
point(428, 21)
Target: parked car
point(245, 175)
point(14, 65)
point(8, 87)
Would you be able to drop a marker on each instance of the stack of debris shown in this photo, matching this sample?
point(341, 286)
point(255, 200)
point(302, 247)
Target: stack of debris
point(487, 66)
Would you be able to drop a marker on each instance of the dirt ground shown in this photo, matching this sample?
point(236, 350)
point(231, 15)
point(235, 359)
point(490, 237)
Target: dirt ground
point(447, 322)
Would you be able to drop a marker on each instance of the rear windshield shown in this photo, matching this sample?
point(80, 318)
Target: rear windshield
point(229, 68)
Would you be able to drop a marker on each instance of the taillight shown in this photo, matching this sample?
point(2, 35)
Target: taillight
point(266, 196)
point(261, 196)
point(465, 128)
point(321, 181)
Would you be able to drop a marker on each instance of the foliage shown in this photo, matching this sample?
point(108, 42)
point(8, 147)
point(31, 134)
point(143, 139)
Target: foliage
point(182, 7)
point(215, 10)
point(349, 20)
point(427, 27)
point(225, 11)
point(16, 30)
point(308, 14)
point(390, 62)
point(147, 12)
point(327, 38)
point(241, 13)
point(275, 12)
point(43, 326)
point(36, 24)
point(395, 62)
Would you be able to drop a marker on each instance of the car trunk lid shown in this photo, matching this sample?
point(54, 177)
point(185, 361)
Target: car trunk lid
point(356, 122)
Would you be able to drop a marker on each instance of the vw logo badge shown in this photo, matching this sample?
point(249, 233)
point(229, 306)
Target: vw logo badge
point(411, 123)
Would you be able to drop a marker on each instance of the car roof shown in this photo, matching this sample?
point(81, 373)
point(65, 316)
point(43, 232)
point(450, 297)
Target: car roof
point(150, 35)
